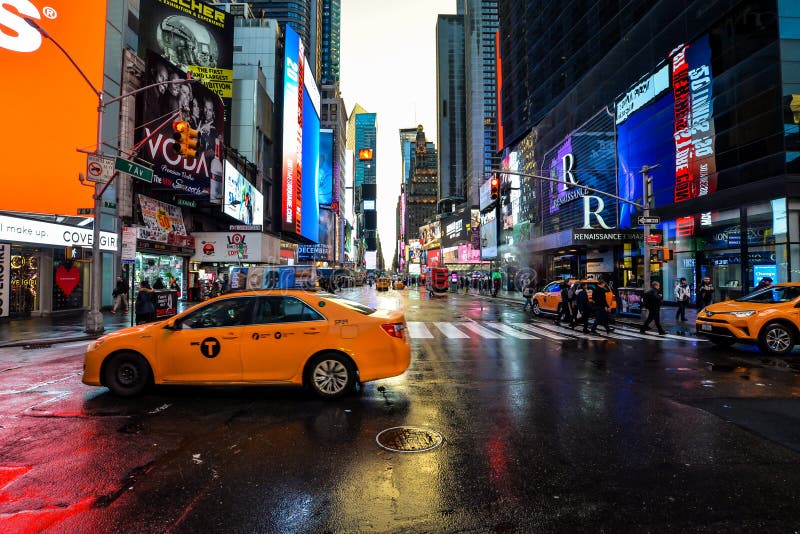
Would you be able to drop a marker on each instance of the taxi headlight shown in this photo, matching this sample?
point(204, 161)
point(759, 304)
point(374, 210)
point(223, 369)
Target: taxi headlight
point(94, 345)
point(743, 314)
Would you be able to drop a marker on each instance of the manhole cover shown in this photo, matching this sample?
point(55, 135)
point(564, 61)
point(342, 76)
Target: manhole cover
point(409, 439)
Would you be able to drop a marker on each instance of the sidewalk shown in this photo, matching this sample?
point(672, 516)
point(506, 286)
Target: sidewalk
point(61, 328)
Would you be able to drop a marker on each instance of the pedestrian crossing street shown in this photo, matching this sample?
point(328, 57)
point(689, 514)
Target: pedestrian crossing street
point(528, 331)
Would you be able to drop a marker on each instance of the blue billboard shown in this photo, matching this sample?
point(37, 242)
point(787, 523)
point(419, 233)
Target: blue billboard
point(310, 203)
point(325, 176)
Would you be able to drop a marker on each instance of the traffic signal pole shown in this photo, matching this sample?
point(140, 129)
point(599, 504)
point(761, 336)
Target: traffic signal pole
point(646, 186)
point(94, 319)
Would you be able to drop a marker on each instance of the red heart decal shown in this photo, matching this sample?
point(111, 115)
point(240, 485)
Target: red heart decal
point(68, 279)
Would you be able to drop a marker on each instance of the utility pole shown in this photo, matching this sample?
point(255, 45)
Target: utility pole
point(647, 183)
point(94, 318)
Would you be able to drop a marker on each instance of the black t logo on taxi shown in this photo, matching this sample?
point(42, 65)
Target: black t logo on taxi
point(210, 347)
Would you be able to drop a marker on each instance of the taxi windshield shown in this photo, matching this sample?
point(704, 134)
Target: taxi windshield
point(355, 306)
point(772, 295)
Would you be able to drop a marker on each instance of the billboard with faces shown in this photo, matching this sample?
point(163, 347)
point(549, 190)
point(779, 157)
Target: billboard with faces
point(242, 200)
point(156, 106)
point(194, 36)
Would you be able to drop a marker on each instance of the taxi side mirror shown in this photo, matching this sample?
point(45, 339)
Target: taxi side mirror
point(170, 324)
point(797, 305)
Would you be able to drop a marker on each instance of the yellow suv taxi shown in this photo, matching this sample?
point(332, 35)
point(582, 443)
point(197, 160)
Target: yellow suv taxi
point(383, 283)
point(308, 338)
point(768, 317)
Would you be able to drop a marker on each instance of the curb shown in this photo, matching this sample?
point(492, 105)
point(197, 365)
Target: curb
point(41, 343)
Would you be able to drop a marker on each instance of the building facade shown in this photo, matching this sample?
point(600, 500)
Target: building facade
point(706, 99)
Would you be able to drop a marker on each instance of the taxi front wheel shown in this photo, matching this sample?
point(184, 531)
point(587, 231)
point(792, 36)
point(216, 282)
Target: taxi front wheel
point(777, 339)
point(330, 375)
point(126, 374)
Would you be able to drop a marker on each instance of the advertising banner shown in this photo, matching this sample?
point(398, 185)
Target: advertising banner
point(371, 260)
point(486, 195)
point(155, 107)
point(468, 254)
point(16, 230)
point(488, 235)
point(414, 251)
point(160, 219)
point(231, 247)
point(283, 277)
point(291, 198)
point(430, 235)
point(193, 36)
point(243, 201)
point(309, 188)
point(5, 278)
point(454, 228)
point(325, 172)
point(128, 253)
point(41, 85)
point(327, 231)
point(312, 253)
point(434, 256)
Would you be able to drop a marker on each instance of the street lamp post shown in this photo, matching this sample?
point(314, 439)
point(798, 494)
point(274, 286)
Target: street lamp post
point(94, 319)
point(646, 185)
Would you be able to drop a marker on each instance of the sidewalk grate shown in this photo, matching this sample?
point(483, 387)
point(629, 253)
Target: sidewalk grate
point(409, 439)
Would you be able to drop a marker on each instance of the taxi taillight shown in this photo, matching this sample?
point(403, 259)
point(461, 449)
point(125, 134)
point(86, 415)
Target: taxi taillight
point(394, 329)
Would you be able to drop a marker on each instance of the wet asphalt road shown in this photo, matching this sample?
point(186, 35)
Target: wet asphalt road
point(541, 434)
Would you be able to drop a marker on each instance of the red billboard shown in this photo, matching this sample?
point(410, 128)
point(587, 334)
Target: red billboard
point(50, 110)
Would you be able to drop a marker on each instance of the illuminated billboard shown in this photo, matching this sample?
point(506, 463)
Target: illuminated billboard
point(325, 172)
point(156, 105)
point(41, 82)
point(242, 200)
point(310, 183)
point(194, 36)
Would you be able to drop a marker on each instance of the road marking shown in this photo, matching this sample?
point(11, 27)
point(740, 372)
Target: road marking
point(450, 331)
point(510, 331)
point(418, 330)
point(565, 330)
point(481, 331)
point(540, 331)
point(664, 336)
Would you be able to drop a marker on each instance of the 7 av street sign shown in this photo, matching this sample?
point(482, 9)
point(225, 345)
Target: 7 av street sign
point(134, 169)
point(649, 220)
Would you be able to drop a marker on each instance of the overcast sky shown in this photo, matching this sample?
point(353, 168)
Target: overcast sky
point(388, 65)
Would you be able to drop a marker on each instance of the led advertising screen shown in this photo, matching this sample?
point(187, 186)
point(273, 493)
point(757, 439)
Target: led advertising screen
point(370, 260)
point(488, 235)
point(42, 87)
point(242, 200)
point(325, 172)
point(186, 176)
point(327, 230)
point(292, 133)
point(195, 37)
point(308, 190)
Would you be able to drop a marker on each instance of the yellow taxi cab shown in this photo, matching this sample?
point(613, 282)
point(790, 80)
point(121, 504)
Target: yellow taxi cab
point(548, 300)
point(304, 338)
point(382, 283)
point(398, 284)
point(767, 317)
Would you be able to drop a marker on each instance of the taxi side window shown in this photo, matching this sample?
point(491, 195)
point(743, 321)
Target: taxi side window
point(553, 287)
point(227, 312)
point(284, 310)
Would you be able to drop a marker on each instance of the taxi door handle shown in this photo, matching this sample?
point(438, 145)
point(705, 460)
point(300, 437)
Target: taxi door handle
point(310, 332)
point(231, 337)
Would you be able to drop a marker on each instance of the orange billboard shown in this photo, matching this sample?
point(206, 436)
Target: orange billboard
point(49, 110)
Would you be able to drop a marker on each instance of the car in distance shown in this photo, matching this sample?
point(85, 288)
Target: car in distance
point(382, 283)
point(548, 300)
point(263, 337)
point(769, 318)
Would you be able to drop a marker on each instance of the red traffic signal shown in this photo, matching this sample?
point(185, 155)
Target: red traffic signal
point(495, 183)
point(185, 139)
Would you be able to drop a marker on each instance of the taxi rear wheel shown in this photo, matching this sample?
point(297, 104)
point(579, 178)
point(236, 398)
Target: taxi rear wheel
point(776, 338)
point(330, 375)
point(537, 310)
point(126, 374)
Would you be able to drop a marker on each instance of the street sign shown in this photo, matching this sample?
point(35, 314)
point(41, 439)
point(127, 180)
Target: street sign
point(649, 220)
point(134, 169)
point(654, 239)
point(99, 168)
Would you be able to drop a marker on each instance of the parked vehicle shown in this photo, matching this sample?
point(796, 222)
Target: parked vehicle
point(548, 299)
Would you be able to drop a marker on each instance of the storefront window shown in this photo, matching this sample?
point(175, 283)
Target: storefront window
point(151, 267)
point(24, 280)
point(68, 282)
point(767, 231)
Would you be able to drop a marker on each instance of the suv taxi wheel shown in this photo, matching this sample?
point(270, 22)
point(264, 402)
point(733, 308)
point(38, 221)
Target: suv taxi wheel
point(776, 338)
point(536, 309)
point(330, 376)
point(126, 374)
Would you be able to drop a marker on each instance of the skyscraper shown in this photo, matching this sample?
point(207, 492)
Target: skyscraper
point(331, 32)
point(451, 108)
point(481, 22)
point(422, 190)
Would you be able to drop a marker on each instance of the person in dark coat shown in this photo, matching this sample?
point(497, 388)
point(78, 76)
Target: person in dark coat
point(159, 283)
point(565, 309)
point(583, 308)
point(601, 309)
point(145, 310)
point(652, 303)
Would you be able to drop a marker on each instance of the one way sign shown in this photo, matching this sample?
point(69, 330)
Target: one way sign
point(649, 220)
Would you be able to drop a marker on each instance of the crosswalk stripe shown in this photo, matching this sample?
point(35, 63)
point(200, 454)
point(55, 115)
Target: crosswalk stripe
point(637, 335)
point(418, 330)
point(578, 332)
point(666, 336)
point(540, 331)
point(481, 331)
point(450, 331)
point(510, 331)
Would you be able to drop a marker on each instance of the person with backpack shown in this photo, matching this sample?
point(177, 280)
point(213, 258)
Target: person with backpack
point(583, 308)
point(527, 292)
point(682, 296)
point(652, 303)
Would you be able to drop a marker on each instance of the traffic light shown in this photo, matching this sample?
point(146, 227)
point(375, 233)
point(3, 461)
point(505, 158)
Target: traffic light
point(185, 139)
point(495, 187)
